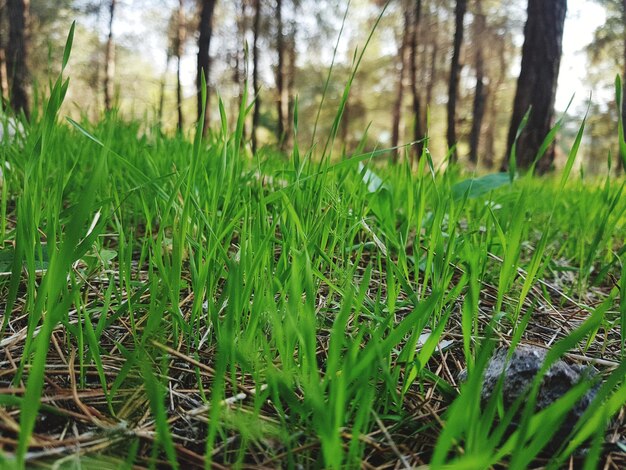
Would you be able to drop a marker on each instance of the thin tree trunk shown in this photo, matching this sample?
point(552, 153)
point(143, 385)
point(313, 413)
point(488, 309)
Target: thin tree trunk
point(180, 123)
point(242, 54)
point(255, 73)
point(423, 33)
point(205, 28)
point(4, 84)
point(17, 55)
point(488, 138)
point(478, 111)
point(623, 110)
point(162, 90)
point(280, 74)
point(239, 61)
point(417, 107)
point(434, 56)
point(397, 107)
point(237, 77)
point(180, 42)
point(291, 84)
point(624, 58)
point(109, 61)
point(455, 71)
point(536, 85)
point(479, 92)
point(492, 94)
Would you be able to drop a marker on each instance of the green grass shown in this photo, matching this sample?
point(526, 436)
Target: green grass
point(187, 302)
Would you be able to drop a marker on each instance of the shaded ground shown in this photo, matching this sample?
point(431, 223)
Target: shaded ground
point(76, 422)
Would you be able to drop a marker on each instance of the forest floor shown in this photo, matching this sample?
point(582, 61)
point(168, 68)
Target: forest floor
point(169, 303)
point(177, 302)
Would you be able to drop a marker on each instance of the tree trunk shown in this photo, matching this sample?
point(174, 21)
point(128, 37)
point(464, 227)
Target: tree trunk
point(242, 55)
point(432, 76)
point(492, 93)
point(4, 84)
point(205, 29)
point(536, 85)
point(291, 84)
point(455, 71)
point(17, 54)
point(623, 110)
point(478, 110)
point(479, 92)
point(397, 107)
point(180, 42)
point(417, 107)
point(180, 123)
point(255, 72)
point(109, 61)
point(280, 74)
point(162, 90)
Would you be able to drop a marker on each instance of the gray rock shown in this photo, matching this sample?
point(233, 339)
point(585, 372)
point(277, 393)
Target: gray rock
point(519, 372)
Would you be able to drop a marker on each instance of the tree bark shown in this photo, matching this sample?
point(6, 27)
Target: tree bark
point(434, 56)
point(242, 55)
point(17, 55)
point(109, 61)
point(479, 92)
point(291, 83)
point(623, 110)
point(488, 138)
point(492, 93)
point(162, 90)
point(417, 107)
point(536, 85)
point(180, 42)
point(180, 122)
point(4, 84)
point(397, 107)
point(255, 72)
point(280, 74)
point(205, 29)
point(455, 71)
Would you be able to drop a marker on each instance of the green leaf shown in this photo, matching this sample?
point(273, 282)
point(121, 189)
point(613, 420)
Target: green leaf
point(573, 151)
point(7, 258)
point(371, 179)
point(68, 45)
point(380, 195)
point(513, 155)
point(476, 187)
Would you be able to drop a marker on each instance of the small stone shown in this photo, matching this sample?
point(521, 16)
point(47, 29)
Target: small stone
point(520, 370)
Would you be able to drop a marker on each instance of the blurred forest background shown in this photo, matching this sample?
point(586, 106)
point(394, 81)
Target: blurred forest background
point(461, 72)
